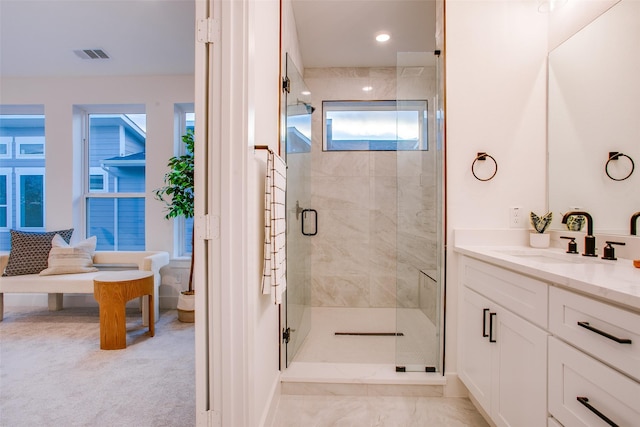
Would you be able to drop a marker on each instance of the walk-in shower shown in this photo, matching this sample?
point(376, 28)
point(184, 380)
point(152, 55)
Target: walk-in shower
point(364, 216)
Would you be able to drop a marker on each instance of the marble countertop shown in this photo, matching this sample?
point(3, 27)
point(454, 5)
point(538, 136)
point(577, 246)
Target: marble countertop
point(614, 281)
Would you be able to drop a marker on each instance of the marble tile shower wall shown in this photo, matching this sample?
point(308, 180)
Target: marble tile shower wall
point(376, 209)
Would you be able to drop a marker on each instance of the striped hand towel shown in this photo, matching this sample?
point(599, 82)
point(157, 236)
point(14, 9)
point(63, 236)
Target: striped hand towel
point(274, 279)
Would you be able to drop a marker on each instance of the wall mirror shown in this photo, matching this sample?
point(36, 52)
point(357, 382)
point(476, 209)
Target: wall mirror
point(594, 88)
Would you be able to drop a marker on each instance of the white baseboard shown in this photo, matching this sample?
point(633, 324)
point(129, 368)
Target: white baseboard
point(269, 414)
point(454, 387)
point(169, 302)
point(68, 301)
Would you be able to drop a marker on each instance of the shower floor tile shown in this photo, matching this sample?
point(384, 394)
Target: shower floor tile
point(322, 345)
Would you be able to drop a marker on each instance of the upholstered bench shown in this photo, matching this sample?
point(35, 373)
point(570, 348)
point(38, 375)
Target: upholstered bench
point(82, 283)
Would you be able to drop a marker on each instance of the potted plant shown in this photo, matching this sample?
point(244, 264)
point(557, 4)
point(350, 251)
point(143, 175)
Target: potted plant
point(177, 194)
point(540, 239)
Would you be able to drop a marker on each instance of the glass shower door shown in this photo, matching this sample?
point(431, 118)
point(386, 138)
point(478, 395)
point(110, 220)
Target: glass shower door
point(300, 219)
point(419, 223)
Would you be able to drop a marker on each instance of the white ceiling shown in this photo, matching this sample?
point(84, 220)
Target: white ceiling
point(37, 38)
point(341, 33)
point(156, 37)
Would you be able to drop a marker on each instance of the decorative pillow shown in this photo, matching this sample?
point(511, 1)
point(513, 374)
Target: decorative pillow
point(30, 251)
point(66, 259)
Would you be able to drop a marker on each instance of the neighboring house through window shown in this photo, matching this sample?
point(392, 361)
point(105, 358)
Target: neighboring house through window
point(115, 180)
point(22, 171)
point(5, 197)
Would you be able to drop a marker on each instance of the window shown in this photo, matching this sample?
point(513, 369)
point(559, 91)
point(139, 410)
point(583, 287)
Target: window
point(5, 147)
point(98, 180)
point(22, 176)
point(30, 147)
point(183, 227)
point(5, 191)
point(374, 125)
point(115, 180)
point(30, 196)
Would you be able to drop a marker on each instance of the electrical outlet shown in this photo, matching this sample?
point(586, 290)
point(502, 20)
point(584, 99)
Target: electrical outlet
point(517, 218)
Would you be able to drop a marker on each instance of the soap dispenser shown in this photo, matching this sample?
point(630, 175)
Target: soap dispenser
point(609, 251)
point(572, 246)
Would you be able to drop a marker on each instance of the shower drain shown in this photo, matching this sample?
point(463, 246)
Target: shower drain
point(372, 334)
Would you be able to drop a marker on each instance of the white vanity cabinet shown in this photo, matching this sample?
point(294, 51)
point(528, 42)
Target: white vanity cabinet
point(594, 361)
point(503, 343)
point(566, 332)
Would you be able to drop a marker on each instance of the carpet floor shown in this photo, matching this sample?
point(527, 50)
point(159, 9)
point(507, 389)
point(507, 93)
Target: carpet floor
point(53, 373)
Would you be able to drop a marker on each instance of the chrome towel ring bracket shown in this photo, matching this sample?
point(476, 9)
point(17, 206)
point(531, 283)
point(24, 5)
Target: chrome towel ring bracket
point(483, 157)
point(614, 156)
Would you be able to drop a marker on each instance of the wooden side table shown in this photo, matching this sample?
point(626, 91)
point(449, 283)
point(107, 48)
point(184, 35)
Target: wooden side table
point(112, 290)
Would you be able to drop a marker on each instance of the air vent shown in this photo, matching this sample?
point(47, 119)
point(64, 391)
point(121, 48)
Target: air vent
point(91, 54)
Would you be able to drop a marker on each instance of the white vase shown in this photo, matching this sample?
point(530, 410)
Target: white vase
point(186, 307)
point(539, 240)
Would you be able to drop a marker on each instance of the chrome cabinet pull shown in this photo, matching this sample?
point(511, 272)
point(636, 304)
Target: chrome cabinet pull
point(604, 334)
point(603, 417)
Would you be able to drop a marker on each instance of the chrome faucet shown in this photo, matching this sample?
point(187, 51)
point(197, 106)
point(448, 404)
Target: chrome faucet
point(634, 223)
point(589, 239)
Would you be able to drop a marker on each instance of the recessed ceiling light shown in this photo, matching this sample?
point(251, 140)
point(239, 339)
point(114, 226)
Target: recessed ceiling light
point(367, 88)
point(383, 37)
point(305, 92)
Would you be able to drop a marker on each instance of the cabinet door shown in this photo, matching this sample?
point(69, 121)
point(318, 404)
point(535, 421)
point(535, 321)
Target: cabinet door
point(474, 348)
point(519, 372)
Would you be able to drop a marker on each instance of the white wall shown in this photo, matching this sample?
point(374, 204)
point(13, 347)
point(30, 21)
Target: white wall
point(573, 16)
point(495, 103)
point(264, 93)
point(63, 184)
point(290, 36)
point(237, 327)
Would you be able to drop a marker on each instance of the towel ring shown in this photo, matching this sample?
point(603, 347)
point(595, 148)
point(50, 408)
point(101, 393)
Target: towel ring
point(614, 155)
point(483, 157)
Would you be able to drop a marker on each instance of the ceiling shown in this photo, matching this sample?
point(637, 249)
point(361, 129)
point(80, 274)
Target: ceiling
point(37, 38)
point(156, 37)
point(341, 33)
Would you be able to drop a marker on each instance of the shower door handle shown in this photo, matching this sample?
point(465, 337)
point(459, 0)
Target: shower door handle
point(315, 222)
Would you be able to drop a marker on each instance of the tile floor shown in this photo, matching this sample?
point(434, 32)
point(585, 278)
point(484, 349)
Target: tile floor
point(375, 411)
point(351, 381)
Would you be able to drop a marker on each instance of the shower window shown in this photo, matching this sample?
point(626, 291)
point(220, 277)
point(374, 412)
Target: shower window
point(374, 125)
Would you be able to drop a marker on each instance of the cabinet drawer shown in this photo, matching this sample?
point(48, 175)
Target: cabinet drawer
point(521, 294)
point(573, 375)
point(567, 309)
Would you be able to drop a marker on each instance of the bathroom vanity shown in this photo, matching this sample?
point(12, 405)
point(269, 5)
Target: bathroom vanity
point(549, 338)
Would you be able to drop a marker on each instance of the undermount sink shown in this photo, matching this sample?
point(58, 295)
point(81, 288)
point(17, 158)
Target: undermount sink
point(550, 257)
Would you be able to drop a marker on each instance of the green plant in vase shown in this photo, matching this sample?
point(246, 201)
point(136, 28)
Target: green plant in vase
point(178, 196)
point(540, 224)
